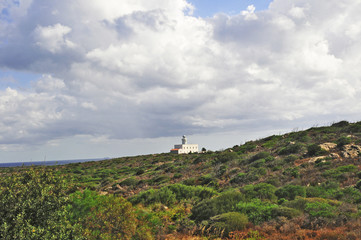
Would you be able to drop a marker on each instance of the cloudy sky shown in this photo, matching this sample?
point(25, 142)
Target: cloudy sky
point(88, 79)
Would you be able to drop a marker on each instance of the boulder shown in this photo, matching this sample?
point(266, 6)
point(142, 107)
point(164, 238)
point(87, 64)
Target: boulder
point(314, 159)
point(334, 156)
point(351, 151)
point(328, 146)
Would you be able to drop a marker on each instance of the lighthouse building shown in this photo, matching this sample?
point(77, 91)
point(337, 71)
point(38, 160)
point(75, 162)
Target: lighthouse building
point(184, 147)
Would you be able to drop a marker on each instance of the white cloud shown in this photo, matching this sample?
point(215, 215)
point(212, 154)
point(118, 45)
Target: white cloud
point(249, 13)
point(52, 38)
point(141, 68)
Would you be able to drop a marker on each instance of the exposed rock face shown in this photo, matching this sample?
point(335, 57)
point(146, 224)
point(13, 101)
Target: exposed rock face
point(314, 159)
point(334, 156)
point(351, 151)
point(328, 146)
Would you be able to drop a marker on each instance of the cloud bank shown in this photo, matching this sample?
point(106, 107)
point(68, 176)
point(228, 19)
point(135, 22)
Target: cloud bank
point(148, 68)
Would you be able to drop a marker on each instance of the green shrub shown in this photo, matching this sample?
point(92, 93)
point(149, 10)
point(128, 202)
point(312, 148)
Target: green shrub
point(358, 185)
point(258, 163)
point(258, 156)
point(140, 171)
point(247, 147)
point(285, 212)
point(115, 218)
point(160, 179)
point(327, 189)
point(130, 182)
point(200, 159)
point(252, 175)
point(190, 181)
point(270, 141)
point(221, 170)
point(33, 206)
point(320, 209)
point(152, 196)
point(226, 157)
point(207, 180)
point(290, 158)
point(290, 192)
point(342, 141)
point(261, 190)
point(190, 192)
point(341, 124)
point(224, 203)
point(177, 175)
point(82, 203)
point(315, 150)
point(292, 172)
point(170, 194)
point(228, 222)
point(256, 210)
point(290, 149)
point(338, 172)
point(239, 178)
point(301, 203)
point(351, 195)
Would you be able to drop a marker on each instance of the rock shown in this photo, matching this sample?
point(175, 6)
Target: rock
point(334, 156)
point(328, 146)
point(351, 151)
point(314, 159)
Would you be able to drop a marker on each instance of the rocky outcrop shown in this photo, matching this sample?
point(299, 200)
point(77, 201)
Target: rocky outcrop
point(334, 156)
point(328, 146)
point(314, 159)
point(351, 151)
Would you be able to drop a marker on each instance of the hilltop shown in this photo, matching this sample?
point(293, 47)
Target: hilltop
point(303, 184)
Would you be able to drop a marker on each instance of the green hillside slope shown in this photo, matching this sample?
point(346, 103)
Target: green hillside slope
point(305, 184)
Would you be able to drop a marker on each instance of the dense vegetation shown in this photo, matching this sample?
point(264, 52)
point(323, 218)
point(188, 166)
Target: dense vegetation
point(301, 185)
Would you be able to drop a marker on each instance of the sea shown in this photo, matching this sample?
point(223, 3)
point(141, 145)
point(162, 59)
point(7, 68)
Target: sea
point(49, 163)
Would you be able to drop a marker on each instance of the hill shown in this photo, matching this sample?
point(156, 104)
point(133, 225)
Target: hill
point(300, 185)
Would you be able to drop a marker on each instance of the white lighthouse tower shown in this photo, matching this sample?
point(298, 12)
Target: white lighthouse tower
point(184, 140)
point(184, 147)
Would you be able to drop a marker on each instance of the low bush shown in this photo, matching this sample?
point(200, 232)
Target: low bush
point(207, 180)
point(291, 172)
point(342, 141)
point(320, 209)
point(171, 194)
point(224, 203)
point(315, 150)
point(285, 212)
point(115, 218)
point(33, 206)
point(290, 159)
point(338, 172)
point(226, 157)
point(258, 163)
point(130, 182)
point(257, 211)
point(290, 192)
point(258, 156)
point(263, 191)
point(291, 149)
point(252, 175)
point(225, 223)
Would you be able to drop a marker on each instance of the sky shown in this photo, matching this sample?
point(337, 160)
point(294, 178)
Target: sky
point(90, 79)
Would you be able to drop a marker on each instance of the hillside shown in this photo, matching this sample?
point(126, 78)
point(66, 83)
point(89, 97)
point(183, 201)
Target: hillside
point(300, 185)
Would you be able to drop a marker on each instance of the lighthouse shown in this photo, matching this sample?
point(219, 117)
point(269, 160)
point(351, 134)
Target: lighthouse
point(184, 147)
point(184, 140)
